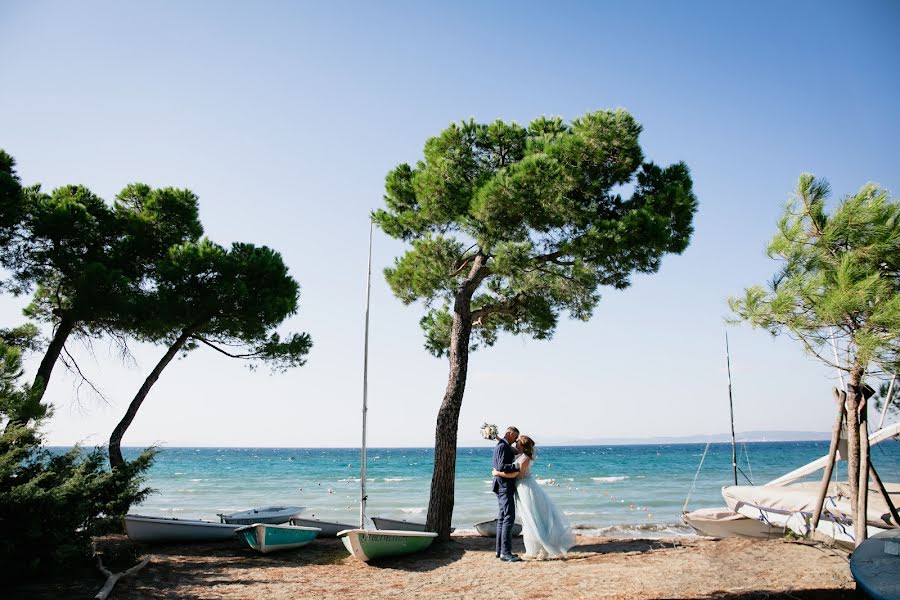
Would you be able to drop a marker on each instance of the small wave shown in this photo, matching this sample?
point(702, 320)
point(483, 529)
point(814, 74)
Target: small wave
point(546, 481)
point(570, 513)
point(199, 480)
point(609, 479)
point(413, 511)
point(638, 531)
point(391, 479)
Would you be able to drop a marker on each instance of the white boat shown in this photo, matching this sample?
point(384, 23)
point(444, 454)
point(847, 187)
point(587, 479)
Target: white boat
point(783, 504)
point(269, 538)
point(328, 528)
point(489, 528)
point(723, 522)
point(142, 528)
point(400, 524)
point(274, 515)
point(792, 506)
point(366, 544)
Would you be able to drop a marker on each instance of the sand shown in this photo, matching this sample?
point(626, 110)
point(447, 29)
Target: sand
point(467, 568)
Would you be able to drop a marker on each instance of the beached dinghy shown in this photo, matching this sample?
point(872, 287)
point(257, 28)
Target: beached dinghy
point(400, 524)
point(328, 528)
point(141, 528)
point(723, 522)
point(365, 544)
point(274, 515)
point(270, 538)
point(489, 528)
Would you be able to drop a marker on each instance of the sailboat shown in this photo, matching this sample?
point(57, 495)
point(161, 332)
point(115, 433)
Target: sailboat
point(783, 505)
point(366, 544)
point(721, 522)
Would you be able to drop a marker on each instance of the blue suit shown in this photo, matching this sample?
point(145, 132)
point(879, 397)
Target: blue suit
point(505, 488)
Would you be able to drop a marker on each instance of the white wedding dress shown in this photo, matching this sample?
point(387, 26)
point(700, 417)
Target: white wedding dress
point(546, 530)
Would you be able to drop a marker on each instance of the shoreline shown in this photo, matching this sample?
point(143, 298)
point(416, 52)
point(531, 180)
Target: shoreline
point(466, 567)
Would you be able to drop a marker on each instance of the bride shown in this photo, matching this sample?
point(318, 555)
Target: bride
point(546, 531)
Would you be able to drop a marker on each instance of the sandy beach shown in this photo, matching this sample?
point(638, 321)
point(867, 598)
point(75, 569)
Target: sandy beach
point(467, 568)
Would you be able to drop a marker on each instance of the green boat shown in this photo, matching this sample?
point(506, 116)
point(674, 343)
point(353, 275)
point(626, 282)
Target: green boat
point(270, 538)
point(369, 545)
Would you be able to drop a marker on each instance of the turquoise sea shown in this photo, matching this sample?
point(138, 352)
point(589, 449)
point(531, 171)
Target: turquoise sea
point(619, 491)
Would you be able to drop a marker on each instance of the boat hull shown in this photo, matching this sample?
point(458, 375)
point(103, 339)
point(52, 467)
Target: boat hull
point(489, 528)
point(266, 538)
point(274, 515)
point(383, 523)
point(722, 523)
point(367, 545)
point(329, 529)
point(141, 528)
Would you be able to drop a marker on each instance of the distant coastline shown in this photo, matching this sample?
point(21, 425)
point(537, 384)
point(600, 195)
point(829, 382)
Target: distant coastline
point(717, 438)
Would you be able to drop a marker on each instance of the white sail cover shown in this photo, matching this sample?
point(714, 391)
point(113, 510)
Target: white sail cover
point(801, 498)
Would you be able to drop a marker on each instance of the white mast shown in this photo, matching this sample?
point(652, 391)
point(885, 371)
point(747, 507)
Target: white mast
point(362, 466)
point(731, 409)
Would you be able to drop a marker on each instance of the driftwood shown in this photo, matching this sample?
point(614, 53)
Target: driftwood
point(887, 497)
point(112, 578)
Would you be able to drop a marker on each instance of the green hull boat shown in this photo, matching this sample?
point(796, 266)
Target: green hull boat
point(369, 545)
point(270, 538)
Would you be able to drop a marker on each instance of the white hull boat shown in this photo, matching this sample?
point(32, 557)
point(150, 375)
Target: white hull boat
point(723, 522)
point(274, 515)
point(489, 528)
point(142, 528)
point(329, 529)
point(791, 507)
point(384, 523)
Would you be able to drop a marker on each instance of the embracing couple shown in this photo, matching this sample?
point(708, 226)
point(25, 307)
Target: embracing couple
point(546, 531)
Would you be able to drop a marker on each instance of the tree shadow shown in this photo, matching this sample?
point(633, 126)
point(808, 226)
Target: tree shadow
point(821, 594)
point(435, 557)
point(624, 546)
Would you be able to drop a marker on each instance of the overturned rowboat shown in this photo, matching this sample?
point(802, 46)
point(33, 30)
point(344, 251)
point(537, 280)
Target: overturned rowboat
point(489, 528)
point(142, 528)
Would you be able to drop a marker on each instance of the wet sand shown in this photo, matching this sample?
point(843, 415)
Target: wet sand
point(467, 568)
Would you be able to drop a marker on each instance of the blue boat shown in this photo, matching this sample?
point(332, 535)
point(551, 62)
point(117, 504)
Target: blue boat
point(270, 538)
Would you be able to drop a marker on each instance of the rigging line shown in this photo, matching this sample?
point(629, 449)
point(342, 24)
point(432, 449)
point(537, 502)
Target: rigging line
point(691, 492)
point(741, 471)
point(747, 456)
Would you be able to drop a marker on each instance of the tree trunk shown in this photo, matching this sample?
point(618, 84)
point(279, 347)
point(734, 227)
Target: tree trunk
point(116, 461)
point(443, 479)
point(862, 531)
point(65, 327)
point(853, 447)
point(839, 398)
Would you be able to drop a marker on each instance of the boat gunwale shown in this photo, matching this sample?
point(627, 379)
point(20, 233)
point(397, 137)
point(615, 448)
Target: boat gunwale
point(393, 532)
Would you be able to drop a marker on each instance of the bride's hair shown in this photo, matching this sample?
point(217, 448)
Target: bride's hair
point(527, 446)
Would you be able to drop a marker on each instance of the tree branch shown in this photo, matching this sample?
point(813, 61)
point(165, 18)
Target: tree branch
point(226, 353)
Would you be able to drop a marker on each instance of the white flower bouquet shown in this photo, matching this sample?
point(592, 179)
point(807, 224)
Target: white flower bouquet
point(488, 431)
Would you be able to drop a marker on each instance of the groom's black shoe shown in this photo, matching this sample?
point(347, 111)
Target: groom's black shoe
point(510, 558)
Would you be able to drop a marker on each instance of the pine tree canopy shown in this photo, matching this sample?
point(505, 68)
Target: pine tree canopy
point(840, 276)
point(531, 220)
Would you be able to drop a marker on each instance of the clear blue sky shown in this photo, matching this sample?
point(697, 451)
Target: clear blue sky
point(285, 117)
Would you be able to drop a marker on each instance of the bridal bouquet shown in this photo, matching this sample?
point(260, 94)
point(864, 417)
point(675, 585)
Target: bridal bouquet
point(488, 431)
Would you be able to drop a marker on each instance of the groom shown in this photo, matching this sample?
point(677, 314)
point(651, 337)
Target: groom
point(504, 457)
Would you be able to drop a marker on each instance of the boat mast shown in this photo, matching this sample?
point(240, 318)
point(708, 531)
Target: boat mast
point(731, 408)
point(362, 467)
